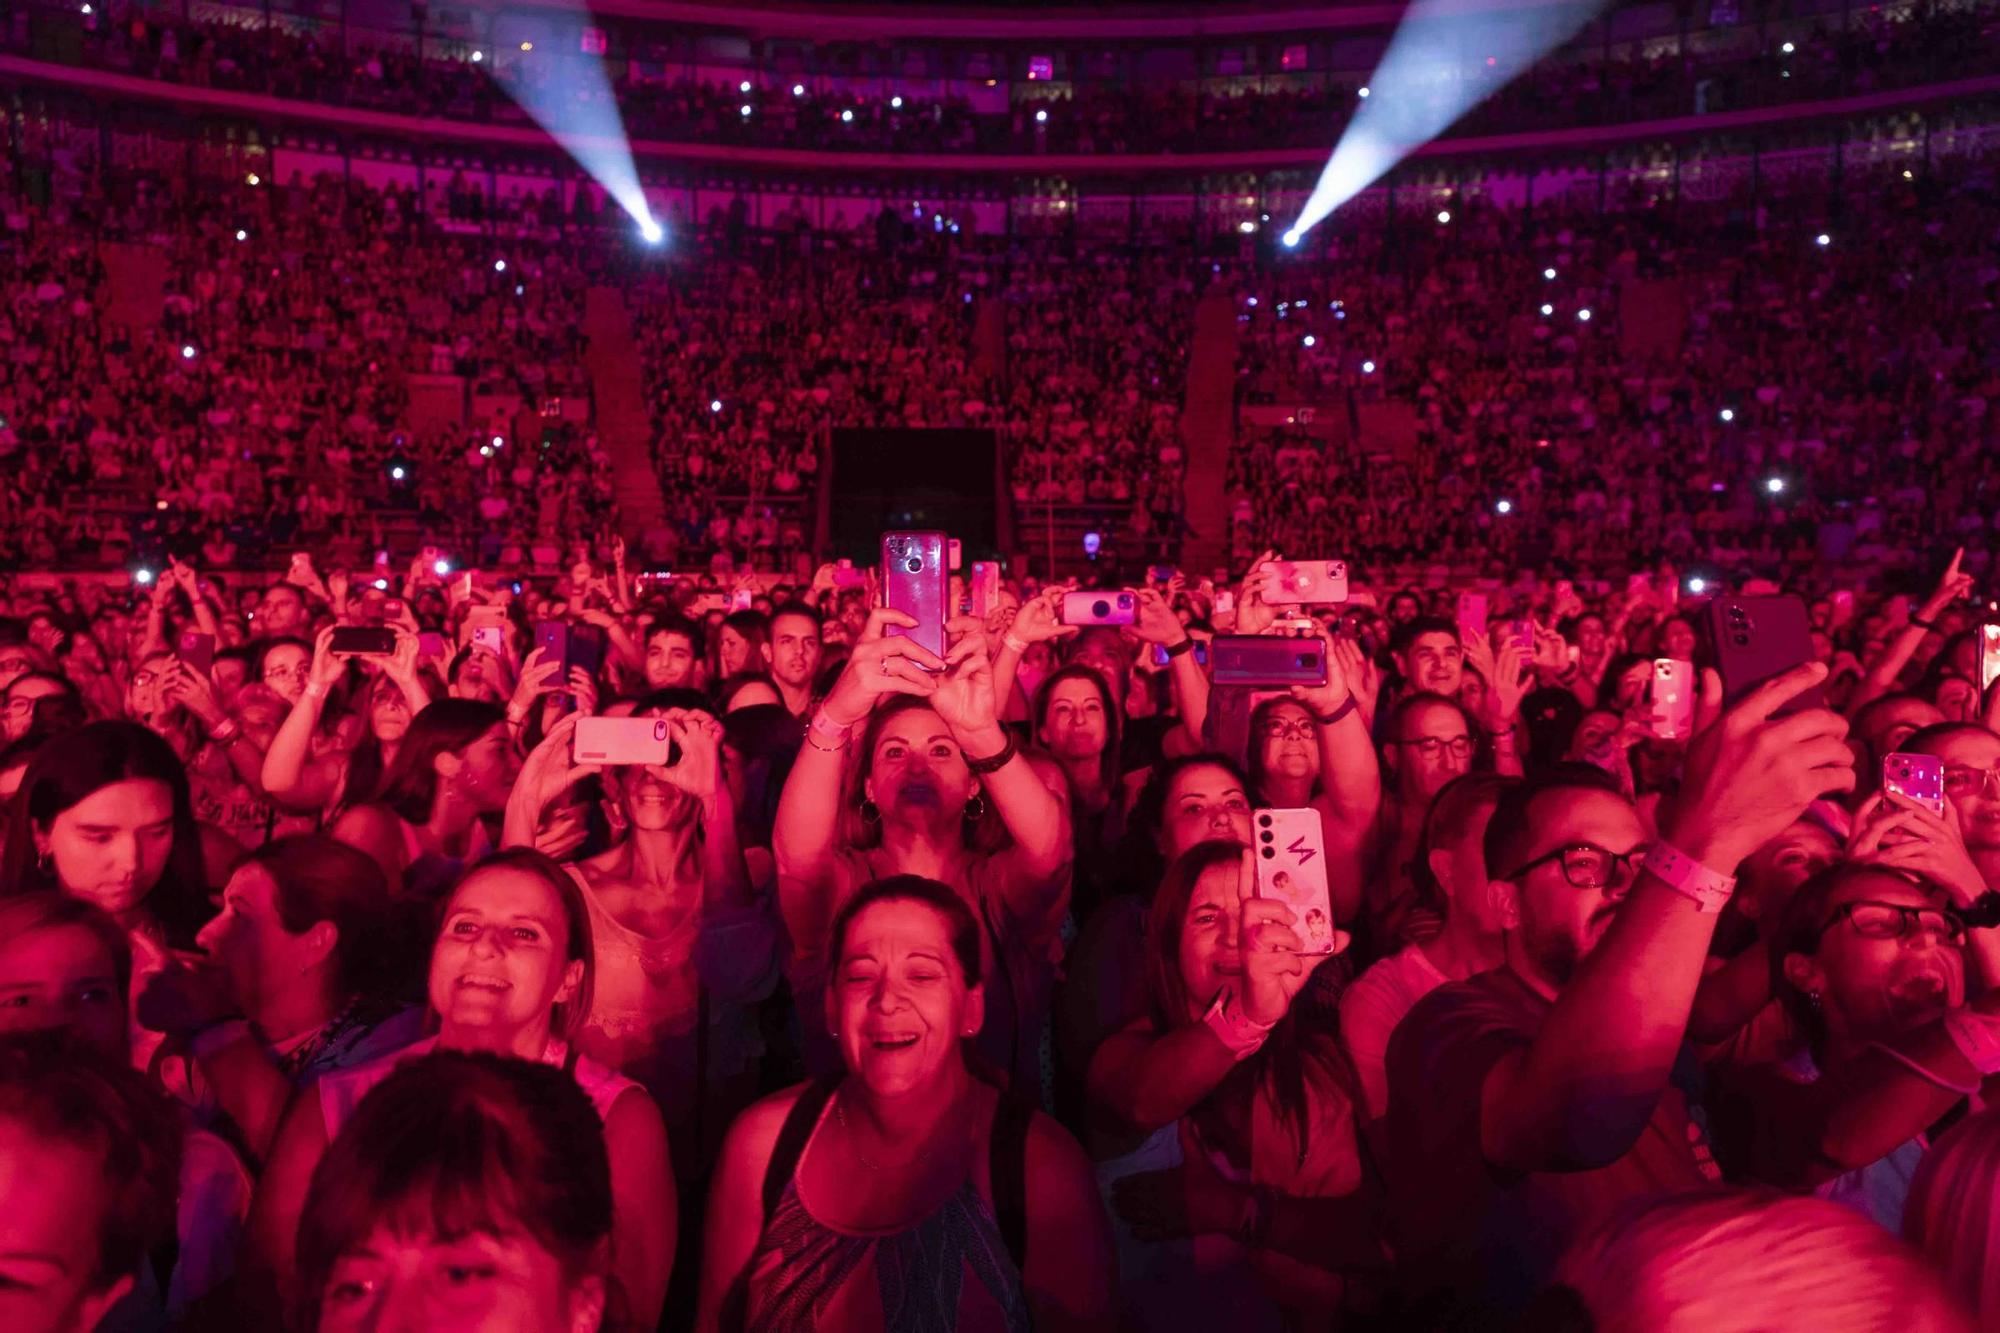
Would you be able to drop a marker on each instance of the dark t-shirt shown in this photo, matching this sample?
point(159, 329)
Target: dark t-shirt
point(1476, 1240)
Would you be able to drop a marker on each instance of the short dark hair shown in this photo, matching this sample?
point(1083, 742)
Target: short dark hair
point(1510, 831)
point(1411, 702)
point(676, 624)
point(66, 1092)
point(319, 878)
point(1468, 799)
point(792, 608)
point(1409, 633)
point(1939, 732)
point(457, 1142)
point(960, 924)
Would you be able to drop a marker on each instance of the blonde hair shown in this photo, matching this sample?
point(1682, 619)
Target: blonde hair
point(1730, 1260)
point(1953, 1213)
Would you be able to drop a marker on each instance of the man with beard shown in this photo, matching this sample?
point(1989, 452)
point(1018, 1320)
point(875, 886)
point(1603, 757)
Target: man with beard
point(1527, 1101)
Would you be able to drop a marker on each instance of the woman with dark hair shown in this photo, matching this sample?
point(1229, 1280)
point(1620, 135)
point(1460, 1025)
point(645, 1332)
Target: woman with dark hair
point(302, 775)
point(469, 1191)
point(510, 973)
point(427, 820)
point(306, 973)
point(747, 689)
point(1077, 722)
point(904, 1184)
point(104, 815)
point(939, 789)
point(738, 645)
point(1247, 1121)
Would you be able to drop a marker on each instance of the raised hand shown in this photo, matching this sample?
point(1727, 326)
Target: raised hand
point(541, 675)
point(1156, 621)
point(1750, 774)
point(545, 775)
point(699, 767)
point(1040, 618)
point(1890, 831)
point(327, 665)
point(1253, 614)
point(881, 664)
point(1359, 672)
point(964, 698)
point(1324, 699)
point(183, 685)
point(1952, 586)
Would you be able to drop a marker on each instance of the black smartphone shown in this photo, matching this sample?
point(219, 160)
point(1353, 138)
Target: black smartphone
point(364, 640)
point(1257, 659)
point(1757, 638)
point(197, 650)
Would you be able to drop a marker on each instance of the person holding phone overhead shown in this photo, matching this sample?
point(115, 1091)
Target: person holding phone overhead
point(1248, 1199)
point(936, 788)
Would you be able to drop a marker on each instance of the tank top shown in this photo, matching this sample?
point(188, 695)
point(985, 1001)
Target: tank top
point(948, 1272)
point(341, 1091)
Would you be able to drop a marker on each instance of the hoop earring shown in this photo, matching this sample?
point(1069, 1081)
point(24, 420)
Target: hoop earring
point(871, 813)
point(975, 809)
point(46, 863)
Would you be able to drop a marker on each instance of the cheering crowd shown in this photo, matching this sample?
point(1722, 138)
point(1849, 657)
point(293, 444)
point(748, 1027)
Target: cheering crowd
point(343, 987)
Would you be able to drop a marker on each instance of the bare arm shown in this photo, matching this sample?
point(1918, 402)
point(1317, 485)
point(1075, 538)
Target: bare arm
point(1145, 1081)
point(736, 1213)
point(1897, 652)
point(645, 1222)
point(1071, 1267)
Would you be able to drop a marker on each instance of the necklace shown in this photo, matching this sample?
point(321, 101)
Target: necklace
point(854, 1146)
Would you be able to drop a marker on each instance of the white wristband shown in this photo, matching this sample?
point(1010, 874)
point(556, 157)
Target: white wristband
point(1683, 874)
point(1242, 1035)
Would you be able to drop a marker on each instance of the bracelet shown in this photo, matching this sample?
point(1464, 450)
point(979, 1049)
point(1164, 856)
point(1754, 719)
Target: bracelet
point(981, 767)
point(1186, 645)
point(1328, 719)
point(317, 690)
point(1921, 623)
point(225, 731)
point(1688, 877)
point(1012, 640)
point(1241, 1036)
point(830, 730)
point(1977, 1038)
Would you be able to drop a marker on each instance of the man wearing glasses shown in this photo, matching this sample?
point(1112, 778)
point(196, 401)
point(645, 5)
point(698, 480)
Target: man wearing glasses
point(1526, 1101)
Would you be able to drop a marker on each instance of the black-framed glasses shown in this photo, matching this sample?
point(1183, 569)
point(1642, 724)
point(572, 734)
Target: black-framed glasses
point(1587, 866)
point(1429, 746)
point(1894, 921)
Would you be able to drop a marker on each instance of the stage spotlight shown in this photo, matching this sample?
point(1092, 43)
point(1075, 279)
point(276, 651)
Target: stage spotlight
point(1728, 414)
point(1444, 216)
point(1041, 117)
point(478, 56)
point(499, 266)
point(1362, 94)
point(896, 103)
point(652, 232)
point(527, 46)
point(1425, 86)
point(1504, 507)
point(1776, 485)
point(1548, 309)
point(187, 351)
point(743, 87)
point(1822, 240)
point(1291, 240)
point(1583, 316)
point(1368, 367)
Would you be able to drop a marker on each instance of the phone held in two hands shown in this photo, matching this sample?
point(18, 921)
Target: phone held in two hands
point(624, 740)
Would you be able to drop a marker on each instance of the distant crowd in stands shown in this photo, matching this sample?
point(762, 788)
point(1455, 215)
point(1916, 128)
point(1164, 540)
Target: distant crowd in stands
point(1703, 70)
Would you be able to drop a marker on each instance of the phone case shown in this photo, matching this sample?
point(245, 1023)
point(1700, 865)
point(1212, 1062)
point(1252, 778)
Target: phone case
point(1757, 638)
point(1291, 867)
point(1672, 696)
point(492, 638)
point(552, 639)
point(985, 588)
point(1471, 616)
point(1917, 778)
point(915, 582)
point(364, 639)
point(1523, 635)
point(622, 740)
point(1255, 659)
point(1989, 656)
point(197, 650)
point(1307, 582)
point(1099, 608)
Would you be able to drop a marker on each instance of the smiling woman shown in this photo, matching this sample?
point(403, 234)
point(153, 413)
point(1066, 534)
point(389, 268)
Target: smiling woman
point(510, 973)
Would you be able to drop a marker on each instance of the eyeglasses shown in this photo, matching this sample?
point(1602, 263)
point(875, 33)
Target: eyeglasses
point(144, 677)
point(1587, 866)
point(1288, 731)
point(1961, 781)
point(1428, 746)
point(1894, 921)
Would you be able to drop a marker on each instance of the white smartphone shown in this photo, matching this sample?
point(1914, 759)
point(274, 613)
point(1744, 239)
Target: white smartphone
point(1291, 867)
point(1672, 697)
point(1305, 582)
point(622, 740)
point(1471, 616)
point(1989, 656)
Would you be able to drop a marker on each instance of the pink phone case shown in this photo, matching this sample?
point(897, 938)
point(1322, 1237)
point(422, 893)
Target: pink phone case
point(1307, 582)
point(915, 582)
point(1291, 867)
point(1917, 778)
point(1672, 696)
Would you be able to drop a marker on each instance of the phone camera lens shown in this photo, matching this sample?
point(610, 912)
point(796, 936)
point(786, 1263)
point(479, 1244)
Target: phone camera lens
point(914, 564)
point(1269, 853)
point(1124, 601)
point(1100, 608)
point(1305, 659)
point(1264, 821)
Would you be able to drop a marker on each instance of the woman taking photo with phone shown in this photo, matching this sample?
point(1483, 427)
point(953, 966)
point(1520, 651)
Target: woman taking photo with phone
point(904, 1184)
point(302, 774)
point(937, 789)
point(510, 974)
point(1249, 1196)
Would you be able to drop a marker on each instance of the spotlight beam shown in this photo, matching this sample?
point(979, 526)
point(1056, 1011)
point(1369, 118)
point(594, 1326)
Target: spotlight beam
point(1446, 57)
point(580, 112)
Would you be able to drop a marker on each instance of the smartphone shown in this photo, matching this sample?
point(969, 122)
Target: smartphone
point(196, 650)
point(623, 740)
point(1757, 638)
point(1085, 607)
point(552, 641)
point(916, 582)
point(1161, 574)
point(985, 589)
point(461, 587)
point(1521, 633)
point(845, 575)
point(492, 638)
point(707, 602)
point(1672, 696)
point(1291, 867)
point(364, 640)
point(1295, 627)
point(1257, 659)
point(430, 644)
point(1225, 602)
point(741, 599)
point(1305, 582)
point(586, 650)
point(1471, 616)
point(954, 555)
point(1989, 656)
point(1917, 778)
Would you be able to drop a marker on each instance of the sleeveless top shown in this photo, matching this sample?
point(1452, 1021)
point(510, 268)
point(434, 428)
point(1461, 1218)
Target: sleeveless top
point(341, 1091)
point(949, 1272)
